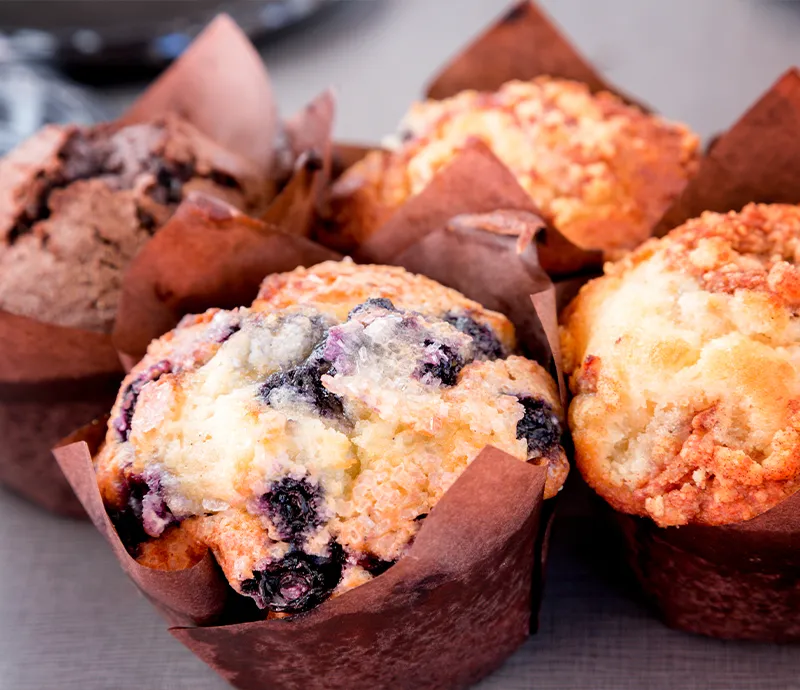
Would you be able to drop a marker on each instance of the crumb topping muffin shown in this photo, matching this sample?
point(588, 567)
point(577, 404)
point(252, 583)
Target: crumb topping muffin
point(305, 444)
point(603, 172)
point(685, 364)
point(76, 205)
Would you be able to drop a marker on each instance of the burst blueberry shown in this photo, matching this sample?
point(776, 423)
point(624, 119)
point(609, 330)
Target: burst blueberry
point(539, 426)
point(372, 303)
point(486, 343)
point(144, 512)
point(122, 424)
point(293, 506)
point(305, 381)
point(227, 332)
point(296, 583)
point(373, 565)
point(441, 362)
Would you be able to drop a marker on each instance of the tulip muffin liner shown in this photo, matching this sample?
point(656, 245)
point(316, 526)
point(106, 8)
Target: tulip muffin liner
point(54, 378)
point(523, 44)
point(741, 580)
point(468, 592)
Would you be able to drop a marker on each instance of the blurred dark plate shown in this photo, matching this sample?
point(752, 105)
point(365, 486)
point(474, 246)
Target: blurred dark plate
point(126, 33)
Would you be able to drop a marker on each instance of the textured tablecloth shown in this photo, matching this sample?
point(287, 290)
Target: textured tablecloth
point(70, 620)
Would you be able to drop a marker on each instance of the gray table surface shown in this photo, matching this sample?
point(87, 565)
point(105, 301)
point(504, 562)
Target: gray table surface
point(69, 619)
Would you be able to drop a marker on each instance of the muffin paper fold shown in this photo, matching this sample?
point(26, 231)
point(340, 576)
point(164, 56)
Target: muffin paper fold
point(192, 596)
point(220, 86)
point(453, 193)
point(741, 580)
point(756, 160)
point(468, 591)
point(523, 44)
point(52, 378)
point(207, 255)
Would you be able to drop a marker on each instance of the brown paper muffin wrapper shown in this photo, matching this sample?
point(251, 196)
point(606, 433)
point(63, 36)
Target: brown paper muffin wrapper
point(737, 581)
point(447, 614)
point(523, 44)
point(53, 379)
point(453, 193)
point(208, 255)
point(467, 593)
point(756, 160)
point(220, 86)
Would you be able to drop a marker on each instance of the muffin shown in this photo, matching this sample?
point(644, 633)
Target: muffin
point(601, 171)
point(683, 367)
point(76, 205)
point(305, 440)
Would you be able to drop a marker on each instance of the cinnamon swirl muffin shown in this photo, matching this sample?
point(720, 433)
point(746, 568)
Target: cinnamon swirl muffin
point(304, 440)
point(601, 171)
point(76, 205)
point(685, 364)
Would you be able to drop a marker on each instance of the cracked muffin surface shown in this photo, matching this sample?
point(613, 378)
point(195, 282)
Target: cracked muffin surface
point(685, 365)
point(76, 205)
point(305, 444)
point(600, 170)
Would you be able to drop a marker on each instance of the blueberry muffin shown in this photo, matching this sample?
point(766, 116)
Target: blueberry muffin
point(304, 440)
point(76, 205)
point(684, 365)
point(601, 171)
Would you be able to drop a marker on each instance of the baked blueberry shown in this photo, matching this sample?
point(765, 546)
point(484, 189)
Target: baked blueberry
point(442, 363)
point(305, 383)
point(144, 512)
point(296, 583)
point(487, 344)
point(373, 302)
point(293, 506)
point(122, 423)
point(539, 426)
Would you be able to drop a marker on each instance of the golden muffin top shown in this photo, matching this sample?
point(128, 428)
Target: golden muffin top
point(602, 171)
point(685, 364)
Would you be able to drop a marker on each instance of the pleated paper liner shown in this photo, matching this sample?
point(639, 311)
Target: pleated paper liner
point(742, 580)
point(756, 160)
point(52, 378)
point(467, 593)
point(207, 255)
point(447, 614)
point(739, 581)
point(523, 44)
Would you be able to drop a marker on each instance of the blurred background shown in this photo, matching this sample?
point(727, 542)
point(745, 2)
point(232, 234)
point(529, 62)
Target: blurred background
point(83, 60)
